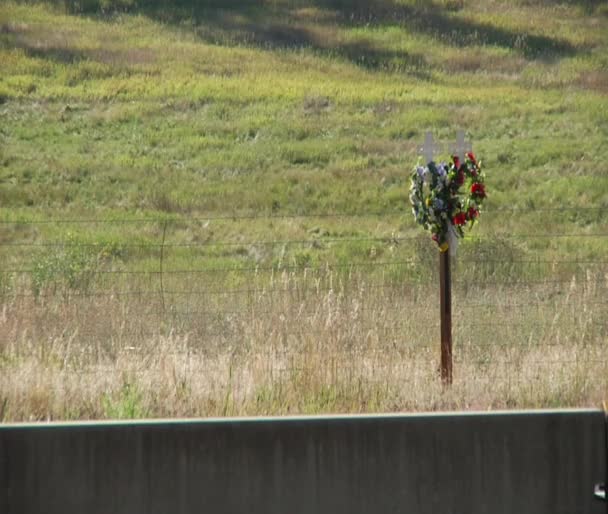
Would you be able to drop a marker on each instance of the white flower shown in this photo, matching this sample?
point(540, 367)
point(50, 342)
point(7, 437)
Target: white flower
point(426, 177)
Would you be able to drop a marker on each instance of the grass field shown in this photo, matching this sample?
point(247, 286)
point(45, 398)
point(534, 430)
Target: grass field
point(278, 137)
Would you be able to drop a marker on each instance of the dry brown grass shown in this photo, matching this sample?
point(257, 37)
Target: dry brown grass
point(595, 81)
point(477, 61)
point(339, 346)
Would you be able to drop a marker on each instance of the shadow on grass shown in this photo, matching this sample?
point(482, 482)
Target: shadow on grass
point(280, 24)
point(283, 32)
point(441, 23)
point(275, 24)
point(19, 38)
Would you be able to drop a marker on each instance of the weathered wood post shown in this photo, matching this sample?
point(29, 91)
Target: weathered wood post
point(428, 150)
point(445, 287)
point(445, 305)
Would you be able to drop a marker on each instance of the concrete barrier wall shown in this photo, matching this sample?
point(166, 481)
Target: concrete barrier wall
point(511, 463)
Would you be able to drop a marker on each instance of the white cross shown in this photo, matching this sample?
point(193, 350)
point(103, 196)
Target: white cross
point(462, 146)
point(429, 148)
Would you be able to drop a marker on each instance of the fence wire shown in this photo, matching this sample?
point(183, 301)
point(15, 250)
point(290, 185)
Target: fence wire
point(353, 307)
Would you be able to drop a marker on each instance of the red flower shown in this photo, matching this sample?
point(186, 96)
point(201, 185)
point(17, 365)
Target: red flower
point(459, 219)
point(478, 189)
point(473, 213)
point(471, 156)
point(460, 177)
point(456, 160)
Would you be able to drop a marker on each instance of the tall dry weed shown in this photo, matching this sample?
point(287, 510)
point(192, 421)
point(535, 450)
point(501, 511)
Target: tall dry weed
point(291, 347)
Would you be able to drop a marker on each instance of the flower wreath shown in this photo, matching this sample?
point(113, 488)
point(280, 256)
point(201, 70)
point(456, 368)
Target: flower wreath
point(439, 206)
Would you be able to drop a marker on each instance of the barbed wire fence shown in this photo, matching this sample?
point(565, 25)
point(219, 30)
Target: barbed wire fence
point(338, 304)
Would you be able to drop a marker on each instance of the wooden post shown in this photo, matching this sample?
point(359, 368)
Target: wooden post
point(428, 150)
point(445, 292)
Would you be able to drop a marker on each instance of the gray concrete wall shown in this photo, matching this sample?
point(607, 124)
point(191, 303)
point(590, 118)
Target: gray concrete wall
point(512, 463)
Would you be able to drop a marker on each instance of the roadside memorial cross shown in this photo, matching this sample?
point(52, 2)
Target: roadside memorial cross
point(462, 147)
point(439, 205)
point(429, 148)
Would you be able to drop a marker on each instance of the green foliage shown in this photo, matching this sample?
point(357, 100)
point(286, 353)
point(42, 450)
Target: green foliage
point(68, 267)
point(424, 259)
point(110, 6)
point(6, 283)
point(489, 259)
point(4, 411)
point(292, 107)
point(127, 403)
point(71, 266)
point(195, 111)
point(321, 399)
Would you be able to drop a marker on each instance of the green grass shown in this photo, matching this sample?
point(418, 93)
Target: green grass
point(299, 108)
point(192, 111)
point(196, 116)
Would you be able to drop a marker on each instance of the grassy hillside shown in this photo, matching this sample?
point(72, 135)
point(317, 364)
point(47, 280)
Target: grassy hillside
point(301, 108)
point(269, 145)
point(304, 108)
